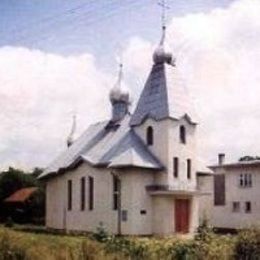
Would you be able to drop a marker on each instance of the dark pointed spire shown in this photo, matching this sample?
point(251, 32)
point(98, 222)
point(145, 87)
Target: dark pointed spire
point(70, 138)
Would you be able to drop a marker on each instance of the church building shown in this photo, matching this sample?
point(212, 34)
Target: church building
point(134, 174)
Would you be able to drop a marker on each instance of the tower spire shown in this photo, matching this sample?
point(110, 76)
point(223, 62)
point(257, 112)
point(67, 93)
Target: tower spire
point(119, 97)
point(70, 138)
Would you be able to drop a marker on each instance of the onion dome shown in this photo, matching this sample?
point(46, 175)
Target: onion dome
point(118, 93)
point(161, 55)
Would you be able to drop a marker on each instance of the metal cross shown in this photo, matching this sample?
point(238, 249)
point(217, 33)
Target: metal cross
point(164, 8)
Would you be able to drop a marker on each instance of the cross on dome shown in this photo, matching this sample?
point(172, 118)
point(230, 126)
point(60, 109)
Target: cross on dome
point(160, 55)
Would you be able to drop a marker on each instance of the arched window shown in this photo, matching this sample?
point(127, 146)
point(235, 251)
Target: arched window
point(149, 136)
point(182, 134)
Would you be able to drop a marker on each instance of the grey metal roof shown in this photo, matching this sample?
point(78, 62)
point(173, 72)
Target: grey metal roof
point(239, 164)
point(104, 144)
point(164, 95)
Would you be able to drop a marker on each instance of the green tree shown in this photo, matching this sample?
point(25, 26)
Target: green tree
point(15, 179)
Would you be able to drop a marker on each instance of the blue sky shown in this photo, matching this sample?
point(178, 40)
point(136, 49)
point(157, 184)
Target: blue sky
point(101, 27)
point(59, 57)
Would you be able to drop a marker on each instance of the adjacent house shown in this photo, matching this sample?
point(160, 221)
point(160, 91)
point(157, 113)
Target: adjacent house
point(134, 173)
point(235, 201)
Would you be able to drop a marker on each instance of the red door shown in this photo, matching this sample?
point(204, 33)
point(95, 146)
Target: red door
point(182, 215)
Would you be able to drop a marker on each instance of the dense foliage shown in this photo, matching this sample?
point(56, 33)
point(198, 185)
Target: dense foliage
point(13, 180)
point(206, 246)
point(249, 158)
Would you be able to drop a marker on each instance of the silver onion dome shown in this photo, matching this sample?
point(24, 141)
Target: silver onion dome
point(161, 55)
point(118, 93)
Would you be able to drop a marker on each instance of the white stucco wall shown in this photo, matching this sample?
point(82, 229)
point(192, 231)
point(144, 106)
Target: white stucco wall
point(134, 199)
point(167, 145)
point(223, 216)
point(206, 187)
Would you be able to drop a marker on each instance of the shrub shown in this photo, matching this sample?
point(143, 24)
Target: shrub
point(248, 244)
point(101, 235)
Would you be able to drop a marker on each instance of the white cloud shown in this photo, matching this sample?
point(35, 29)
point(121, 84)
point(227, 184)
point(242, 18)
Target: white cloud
point(219, 55)
point(39, 92)
point(217, 52)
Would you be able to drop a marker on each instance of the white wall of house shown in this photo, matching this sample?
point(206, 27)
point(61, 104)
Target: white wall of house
point(224, 216)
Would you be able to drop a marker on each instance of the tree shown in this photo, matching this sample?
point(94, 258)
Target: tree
point(249, 158)
point(15, 179)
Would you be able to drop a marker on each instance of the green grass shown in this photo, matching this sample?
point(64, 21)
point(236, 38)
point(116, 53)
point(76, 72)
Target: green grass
point(20, 243)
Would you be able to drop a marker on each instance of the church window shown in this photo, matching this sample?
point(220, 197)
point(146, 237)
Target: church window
point(188, 168)
point(116, 187)
point(82, 193)
point(91, 193)
point(182, 134)
point(175, 167)
point(236, 206)
point(248, 207)
point(69, 194)
point(124, 215)
point(149, 136)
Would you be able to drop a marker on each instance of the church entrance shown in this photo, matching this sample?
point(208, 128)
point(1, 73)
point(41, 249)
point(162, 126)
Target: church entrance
point(182, 215)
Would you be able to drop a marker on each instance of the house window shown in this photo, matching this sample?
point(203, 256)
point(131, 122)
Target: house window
point(175, 167)
point(248, 207)
point(116, 185)
point(236, 206)
point(149, 136)
point(90, 193)
point(69, 194)
point(219, 190)
point(188, 168)
point(245, 180)
point(182, 134)
point(82, 193)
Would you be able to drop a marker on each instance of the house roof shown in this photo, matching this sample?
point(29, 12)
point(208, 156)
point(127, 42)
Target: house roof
point(164, 96)
point(253, 163)
point(202, 169)
point(21, 195)
point(106, 144)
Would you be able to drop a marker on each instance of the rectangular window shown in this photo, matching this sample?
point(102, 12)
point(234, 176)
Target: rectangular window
point(248, 207)
point(236, 206)
point(90, 193)
point(188, 168)
point(175, 167)
point(219, 190)
point(116, 185)
point(69, 194)
point(245, 180)
point(82, 193)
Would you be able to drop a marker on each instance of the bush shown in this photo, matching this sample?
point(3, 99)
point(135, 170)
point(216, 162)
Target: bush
point(101, 235)
point(248, 244)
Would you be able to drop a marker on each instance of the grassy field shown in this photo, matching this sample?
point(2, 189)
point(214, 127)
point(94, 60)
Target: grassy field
point(15, 244)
